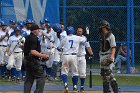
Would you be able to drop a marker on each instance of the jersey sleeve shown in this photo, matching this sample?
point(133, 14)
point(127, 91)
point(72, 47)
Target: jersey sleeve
point(112, 41)
point(87, 44)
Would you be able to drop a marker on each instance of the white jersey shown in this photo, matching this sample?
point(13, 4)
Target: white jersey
point(71, 44)
point(13, 41)
point(82, 47)
point(63, 35)
point(10, 30)
point(27, 31)
point(5, 40)
point(40, 33)
point(49, 40)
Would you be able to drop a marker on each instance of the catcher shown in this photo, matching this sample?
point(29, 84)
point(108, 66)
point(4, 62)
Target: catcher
point(107, 52)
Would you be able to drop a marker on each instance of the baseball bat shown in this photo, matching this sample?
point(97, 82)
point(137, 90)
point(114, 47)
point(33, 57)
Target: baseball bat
point(90, 74)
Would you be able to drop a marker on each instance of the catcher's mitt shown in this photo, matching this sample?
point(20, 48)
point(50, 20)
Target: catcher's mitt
point(107, 61)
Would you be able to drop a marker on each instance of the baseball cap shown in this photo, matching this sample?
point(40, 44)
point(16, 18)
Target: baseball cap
point(48, 25)
point(17, 28)
point(34, 27)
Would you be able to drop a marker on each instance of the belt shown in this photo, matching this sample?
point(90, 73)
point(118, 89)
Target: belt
point(71, 54)
point(3, 45)
point(18, 52)
point(105, 54)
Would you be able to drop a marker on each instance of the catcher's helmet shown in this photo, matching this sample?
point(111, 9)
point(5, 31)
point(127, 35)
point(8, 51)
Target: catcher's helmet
point(70, 30)
point(57, 28)
point(103, 24)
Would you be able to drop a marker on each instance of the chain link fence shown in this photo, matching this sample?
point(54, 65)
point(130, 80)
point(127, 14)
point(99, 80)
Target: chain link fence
point(121, 15)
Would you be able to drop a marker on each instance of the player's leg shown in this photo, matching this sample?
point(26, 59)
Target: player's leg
point(104, 73)
point(64, 71)
point(82, 72)
point(2, 61)
point(10, 66)
point(74, 68)
point(18, 64)
point(49, 63)
point(106, 82)
point(55, 64)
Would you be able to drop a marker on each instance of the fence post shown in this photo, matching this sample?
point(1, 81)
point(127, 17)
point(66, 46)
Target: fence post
point(132, 33)
point(128, 35)
point(64, 11)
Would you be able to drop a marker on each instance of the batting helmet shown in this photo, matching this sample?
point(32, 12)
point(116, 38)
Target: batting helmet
point(57, 28)
point(70, 30)
point(103, 24)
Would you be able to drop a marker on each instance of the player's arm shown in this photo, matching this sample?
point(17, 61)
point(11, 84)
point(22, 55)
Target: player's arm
point(89, 49)
point(8, 47)
point(112, 45)
point(6, 35)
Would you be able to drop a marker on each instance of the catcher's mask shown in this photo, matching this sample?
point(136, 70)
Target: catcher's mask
point(103, 24)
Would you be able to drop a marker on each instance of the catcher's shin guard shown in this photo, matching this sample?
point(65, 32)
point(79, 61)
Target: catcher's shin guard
point(114, 86)
point(106, 88)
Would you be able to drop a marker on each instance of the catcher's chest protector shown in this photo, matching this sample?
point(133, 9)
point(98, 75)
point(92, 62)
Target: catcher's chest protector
point(104, 43)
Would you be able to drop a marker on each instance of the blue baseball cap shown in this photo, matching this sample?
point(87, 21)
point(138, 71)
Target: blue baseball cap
point(12, 22)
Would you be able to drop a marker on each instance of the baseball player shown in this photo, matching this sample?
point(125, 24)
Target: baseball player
point(21, 25)
point(12, 24)
point(47, 47)
point(107, 52)
point(57, 54)
point(4, 35)
point(81, 57)
point(42, 29)
point(70, 47)
point(27, 27)
point(14, 50)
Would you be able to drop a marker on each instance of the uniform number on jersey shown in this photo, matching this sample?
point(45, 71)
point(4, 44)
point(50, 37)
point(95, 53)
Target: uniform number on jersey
point(71, 41)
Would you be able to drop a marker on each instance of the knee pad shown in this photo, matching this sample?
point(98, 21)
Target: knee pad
point(105, 72)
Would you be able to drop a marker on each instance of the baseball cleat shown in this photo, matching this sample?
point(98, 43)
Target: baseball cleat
point(82, 90)
point(66, 89)
point(75, 90)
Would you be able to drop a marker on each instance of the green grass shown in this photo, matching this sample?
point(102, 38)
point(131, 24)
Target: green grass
point(96, 80)
point(122, 80)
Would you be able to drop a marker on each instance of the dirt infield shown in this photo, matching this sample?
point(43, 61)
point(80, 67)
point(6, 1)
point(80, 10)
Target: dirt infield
point(62, 92)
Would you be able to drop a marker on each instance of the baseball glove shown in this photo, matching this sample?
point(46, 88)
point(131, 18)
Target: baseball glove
point(107, 61)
